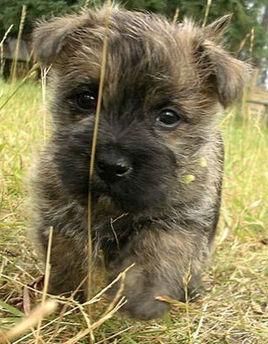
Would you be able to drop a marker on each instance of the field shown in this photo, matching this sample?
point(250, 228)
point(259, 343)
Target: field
point(234, 305)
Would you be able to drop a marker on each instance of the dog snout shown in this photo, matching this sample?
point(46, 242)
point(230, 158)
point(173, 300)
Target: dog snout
point(113, 166)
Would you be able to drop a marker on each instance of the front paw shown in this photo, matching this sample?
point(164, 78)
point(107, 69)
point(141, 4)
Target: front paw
point(141, 291)
point(144, 307)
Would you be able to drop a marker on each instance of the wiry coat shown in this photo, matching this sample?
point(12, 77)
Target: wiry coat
point(162, 216)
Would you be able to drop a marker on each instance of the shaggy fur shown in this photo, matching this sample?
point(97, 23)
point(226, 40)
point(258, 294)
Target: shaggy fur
point(156, 188)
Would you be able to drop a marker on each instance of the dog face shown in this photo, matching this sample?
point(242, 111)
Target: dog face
point(163, 87)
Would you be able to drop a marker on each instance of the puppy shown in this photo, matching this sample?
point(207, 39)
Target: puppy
point(156, 187)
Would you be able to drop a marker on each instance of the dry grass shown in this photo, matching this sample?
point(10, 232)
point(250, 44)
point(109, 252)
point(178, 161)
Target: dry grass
point(233, 307)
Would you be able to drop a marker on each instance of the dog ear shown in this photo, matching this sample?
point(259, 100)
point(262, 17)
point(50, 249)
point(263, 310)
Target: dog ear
point(50, 37)
point(217, 29)
point(229, 75)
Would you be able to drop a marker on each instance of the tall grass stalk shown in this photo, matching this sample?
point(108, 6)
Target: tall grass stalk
point(176, 16)
point(46, 281)
point(2, 50)
point(209, 2)
point(93, 153)
point(252, 39)
point(44, 73)
point(15, 60)
point(243, 42)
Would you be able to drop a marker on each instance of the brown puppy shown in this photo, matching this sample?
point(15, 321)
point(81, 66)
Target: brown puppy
point(159, 158)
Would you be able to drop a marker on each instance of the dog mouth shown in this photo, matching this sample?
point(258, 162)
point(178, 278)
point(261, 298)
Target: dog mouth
point(129, 195)
point(119, 196)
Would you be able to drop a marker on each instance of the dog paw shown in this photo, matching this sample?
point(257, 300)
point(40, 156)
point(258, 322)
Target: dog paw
point(144, 307)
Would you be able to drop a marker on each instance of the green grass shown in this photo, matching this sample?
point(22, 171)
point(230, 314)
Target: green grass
point(233, 307)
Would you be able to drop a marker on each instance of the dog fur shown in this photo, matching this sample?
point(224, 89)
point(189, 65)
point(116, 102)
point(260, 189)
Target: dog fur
point(162, 216)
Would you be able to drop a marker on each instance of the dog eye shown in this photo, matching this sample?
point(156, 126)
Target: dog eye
point(168, 118)
point(86, 101)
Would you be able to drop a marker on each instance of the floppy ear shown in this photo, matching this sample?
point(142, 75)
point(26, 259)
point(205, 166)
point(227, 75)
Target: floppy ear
point(51, 36)
point(229, 74)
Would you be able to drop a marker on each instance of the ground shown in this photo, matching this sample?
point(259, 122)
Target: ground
point(233, 307)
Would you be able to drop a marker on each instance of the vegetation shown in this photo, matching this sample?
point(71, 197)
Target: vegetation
point(233, 307)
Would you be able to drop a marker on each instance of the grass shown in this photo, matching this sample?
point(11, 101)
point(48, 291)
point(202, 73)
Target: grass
point(234, 305)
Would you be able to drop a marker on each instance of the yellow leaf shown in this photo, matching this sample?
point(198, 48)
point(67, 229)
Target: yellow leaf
point(188, 178)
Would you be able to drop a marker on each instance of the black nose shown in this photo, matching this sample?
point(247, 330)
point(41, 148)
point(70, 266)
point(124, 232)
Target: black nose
point(111, 168)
